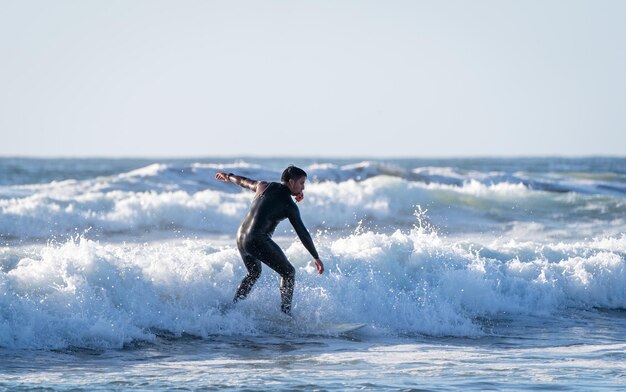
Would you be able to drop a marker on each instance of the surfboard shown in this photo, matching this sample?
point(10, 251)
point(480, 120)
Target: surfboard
point(279, 322)
point(343, 328)
point(284, 323)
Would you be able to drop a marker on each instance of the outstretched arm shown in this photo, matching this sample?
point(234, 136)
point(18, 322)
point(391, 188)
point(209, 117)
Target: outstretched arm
point(238, 180)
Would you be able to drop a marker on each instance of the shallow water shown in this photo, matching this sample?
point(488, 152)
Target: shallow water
point(538, 354)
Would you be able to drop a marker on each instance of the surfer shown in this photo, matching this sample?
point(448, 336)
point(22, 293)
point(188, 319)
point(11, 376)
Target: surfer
point(272, 203)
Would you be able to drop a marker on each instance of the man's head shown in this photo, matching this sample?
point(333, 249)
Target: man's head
point(294, 178)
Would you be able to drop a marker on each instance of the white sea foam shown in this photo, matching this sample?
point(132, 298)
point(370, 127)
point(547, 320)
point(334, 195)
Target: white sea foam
point(84, 293)
point(159, 197)
point(432, 251)
point(474, 264)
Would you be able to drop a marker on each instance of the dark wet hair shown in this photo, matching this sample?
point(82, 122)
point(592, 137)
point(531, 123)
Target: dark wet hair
point(292, 173)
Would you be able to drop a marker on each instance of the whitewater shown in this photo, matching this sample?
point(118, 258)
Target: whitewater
point(470, 274)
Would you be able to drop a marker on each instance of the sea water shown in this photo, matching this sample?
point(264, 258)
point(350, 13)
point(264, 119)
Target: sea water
point(471, 274)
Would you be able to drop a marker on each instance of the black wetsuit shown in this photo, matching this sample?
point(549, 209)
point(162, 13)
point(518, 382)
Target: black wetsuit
point(255, 244)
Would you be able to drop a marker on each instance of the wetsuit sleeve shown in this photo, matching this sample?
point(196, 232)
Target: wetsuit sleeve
point(243, 181)
point(303, 233)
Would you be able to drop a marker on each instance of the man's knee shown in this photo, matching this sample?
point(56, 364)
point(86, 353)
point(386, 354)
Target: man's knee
point(252, 265)
point(289, 272)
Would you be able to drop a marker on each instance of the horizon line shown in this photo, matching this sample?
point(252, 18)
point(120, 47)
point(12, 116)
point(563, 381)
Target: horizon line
point(351, 157)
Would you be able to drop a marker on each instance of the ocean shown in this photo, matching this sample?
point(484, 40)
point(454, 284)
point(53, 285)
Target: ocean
point(470, 274)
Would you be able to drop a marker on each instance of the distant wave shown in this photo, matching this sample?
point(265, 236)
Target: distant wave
point(169, 197)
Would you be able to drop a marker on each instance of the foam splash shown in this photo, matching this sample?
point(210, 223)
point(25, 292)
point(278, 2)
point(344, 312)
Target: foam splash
point(83, 293)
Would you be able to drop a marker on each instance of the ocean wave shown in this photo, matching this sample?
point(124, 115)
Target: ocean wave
point(83, 293)
point(136, 202)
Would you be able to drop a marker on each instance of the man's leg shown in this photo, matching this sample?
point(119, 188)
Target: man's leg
point(286, 292)
point(254, 271)
point(271, 254)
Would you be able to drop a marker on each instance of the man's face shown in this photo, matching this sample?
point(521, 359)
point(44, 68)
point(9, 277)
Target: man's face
point(296, 186)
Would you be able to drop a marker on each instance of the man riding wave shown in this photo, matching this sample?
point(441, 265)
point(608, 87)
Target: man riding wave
point(272, 203)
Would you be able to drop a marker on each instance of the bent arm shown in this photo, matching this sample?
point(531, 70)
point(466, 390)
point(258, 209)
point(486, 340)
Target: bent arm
point(242, 181)
point(303, 233)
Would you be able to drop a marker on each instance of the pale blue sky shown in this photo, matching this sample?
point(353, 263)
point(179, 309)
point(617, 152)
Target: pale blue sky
point(314, 78)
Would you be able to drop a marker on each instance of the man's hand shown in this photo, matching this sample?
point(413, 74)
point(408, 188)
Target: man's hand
point(320, 266)
point(299, 197)
point(221, 176)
